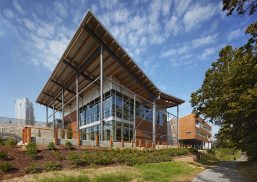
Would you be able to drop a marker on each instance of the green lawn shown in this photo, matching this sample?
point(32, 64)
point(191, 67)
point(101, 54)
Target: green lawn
point(165, 171)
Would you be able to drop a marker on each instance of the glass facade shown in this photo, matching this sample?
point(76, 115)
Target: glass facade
point(119, 106)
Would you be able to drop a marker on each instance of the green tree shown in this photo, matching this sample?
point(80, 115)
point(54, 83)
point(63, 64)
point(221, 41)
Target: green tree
point(228, 95)
point(240, 6)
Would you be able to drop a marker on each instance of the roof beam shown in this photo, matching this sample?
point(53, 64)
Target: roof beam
point(65, 88)
point(98, 39)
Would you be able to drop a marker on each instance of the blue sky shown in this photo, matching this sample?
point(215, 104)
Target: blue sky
point(174, 42)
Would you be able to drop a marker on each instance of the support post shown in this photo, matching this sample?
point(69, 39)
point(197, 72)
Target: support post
point(62, 108)
point(154, 122)
point(46, 115)
point(178, 123)
point(101, 92)
point(134, 121)
point(54, 114)
point(77, 102)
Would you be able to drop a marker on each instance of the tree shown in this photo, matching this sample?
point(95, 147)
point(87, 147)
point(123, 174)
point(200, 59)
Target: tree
point(240, 6)
point(228, 95)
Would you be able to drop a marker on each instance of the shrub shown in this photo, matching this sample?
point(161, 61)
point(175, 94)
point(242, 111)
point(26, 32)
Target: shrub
point(10, 142)
point(1, 142)
point(3, 155)
point(51, 146)
point(75, 159)
point(69, 133)
point(33, 169)
point(58, 155)
point(68, 145)
point(5, 167)
point(32, 149)
point(52, 166)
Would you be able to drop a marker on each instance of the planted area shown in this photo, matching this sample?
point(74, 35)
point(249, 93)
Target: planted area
point(36, 159)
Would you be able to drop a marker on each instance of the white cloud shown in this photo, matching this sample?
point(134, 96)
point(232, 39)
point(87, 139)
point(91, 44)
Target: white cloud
point(8, 13)
point(59, 7)
point(18, 7)
point(198, 14)
point(30, 25)
point(181, 6)
point(207, 52)
point(172, 26)
point(182, 49)
point(166, 4)
point(234, 34)
point(210, 39)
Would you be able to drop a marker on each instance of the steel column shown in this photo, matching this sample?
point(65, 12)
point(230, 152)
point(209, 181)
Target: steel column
point(134, 119)
point(178, 123)
point(62, 108)
point(77, 101)
point(46, 115)
point(101, 92)
point(54, 114)
point(154, 122)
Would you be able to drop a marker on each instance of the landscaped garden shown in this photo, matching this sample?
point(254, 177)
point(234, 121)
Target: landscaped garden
point(16, 161)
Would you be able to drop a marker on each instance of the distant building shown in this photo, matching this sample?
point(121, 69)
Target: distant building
point(194, 132)
point(24, 111)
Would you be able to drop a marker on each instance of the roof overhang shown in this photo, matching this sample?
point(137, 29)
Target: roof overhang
point(82, 56)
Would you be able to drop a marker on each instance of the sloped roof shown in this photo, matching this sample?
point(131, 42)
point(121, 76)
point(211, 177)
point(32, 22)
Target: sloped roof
point(82, 55)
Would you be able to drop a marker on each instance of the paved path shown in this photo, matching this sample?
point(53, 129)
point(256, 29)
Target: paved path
point(223, 172)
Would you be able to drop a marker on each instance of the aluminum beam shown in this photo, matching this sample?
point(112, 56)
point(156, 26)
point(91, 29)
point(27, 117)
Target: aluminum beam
point(77, 101)
point(62, 108)
point(46, 115)
point(178, 123)
point(101, 93)
point(134, 119)
point(98, 39)
point(154, 122)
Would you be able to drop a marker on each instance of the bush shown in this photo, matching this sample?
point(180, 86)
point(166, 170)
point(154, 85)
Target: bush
point(10, 142)
point(32, 149)
point(1, 142)
point(75, 159)
point(51, 146)
point(52, 166)
point(69, 133)
point(5, 167)
point(68, 145)
point(33, 169)
point(3, 155)
point(58, 155)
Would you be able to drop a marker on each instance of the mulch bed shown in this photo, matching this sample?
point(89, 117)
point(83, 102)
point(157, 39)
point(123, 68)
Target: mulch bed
point(21, 161)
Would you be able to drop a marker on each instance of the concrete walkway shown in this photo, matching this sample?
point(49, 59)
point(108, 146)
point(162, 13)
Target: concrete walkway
point(223, 172)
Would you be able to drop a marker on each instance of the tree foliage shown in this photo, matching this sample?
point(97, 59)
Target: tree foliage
point(240, 6)
point(228, 95)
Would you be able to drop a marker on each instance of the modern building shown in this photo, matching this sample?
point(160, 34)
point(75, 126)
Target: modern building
point(194, 132)
point(102, 93)
point(24, 111)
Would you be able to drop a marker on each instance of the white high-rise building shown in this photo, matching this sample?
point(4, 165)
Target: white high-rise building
point(24, 110)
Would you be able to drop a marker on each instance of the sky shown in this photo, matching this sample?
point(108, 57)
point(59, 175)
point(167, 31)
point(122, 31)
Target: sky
point(174, 42)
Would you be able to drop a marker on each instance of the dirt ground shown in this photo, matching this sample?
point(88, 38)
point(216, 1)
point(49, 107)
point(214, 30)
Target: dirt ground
point(20, 160)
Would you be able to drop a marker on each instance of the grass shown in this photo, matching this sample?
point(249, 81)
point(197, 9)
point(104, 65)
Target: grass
point(113, 178)
point(80, 178)
point(165, 171)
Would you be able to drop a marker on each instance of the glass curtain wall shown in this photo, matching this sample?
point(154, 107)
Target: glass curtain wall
point(118, 116)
